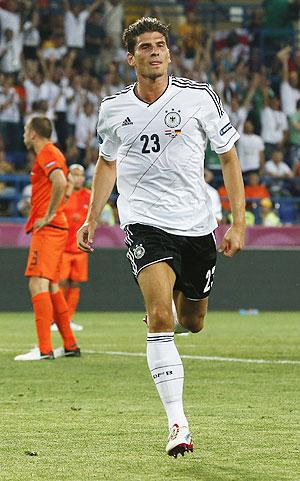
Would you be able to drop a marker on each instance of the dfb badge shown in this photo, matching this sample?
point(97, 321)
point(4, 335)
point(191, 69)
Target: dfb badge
point(172, 119)
point(138, 251)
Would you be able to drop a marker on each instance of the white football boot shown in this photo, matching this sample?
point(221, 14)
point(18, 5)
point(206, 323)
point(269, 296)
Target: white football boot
point(34, 355)
point(179, 441)
point(74, 327)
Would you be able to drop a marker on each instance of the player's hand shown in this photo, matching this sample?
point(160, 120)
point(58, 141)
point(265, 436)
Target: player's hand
point(85, 236)
point(41, 222)
point(233, 241)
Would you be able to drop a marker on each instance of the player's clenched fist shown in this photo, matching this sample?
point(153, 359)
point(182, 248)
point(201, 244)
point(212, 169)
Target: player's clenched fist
point(233, 241)
point(85, 236)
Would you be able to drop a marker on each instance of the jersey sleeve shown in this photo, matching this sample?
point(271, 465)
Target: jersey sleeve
point(108, 141)
point(49, 163)
point(216, 124)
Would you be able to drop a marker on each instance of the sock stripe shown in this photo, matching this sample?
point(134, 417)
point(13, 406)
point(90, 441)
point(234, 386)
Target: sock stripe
point(159, 341)
point(169, 365)
point(157, 338)
point(168, 380)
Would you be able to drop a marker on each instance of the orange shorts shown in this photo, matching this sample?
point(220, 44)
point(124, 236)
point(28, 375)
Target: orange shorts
point(46, 249)
point(74, 266)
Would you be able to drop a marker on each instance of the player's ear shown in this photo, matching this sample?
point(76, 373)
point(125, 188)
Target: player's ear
point(130, 59)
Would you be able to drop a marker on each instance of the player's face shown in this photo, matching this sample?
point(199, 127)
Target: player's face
point(78, 177)
point(151, 55)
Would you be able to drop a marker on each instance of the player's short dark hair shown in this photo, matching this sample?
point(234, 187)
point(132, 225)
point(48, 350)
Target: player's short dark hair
point(41, 125)
point(143, 25)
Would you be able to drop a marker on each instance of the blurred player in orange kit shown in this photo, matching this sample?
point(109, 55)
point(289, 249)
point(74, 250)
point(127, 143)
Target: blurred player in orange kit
point(49, 228)
point(74, 269)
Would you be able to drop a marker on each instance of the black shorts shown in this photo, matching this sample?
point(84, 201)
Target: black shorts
point(193, 259)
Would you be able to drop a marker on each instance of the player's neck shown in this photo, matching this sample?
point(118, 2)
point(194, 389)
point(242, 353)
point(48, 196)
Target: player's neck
point(149, 90)
point(39, 144)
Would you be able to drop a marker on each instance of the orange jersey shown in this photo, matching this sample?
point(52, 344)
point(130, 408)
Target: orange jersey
point(76, 209)
point(47, 160)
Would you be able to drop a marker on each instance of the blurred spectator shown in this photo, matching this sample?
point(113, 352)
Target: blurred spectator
point(113, 82)
point(279, 174)
point(10, 17)
point(251, 150)
point(214, 195)
point(94, 37)
point(238, 112)
point(54, 49)
point(31, 36)
point(9, 114)
point(224, 200)
point(76, 96)
point(55, 91)
point(75, 22)
point(274, 125)
point(24, 204)
point(10, 52)
point(107, 216)
point(190, 34)
point(113, 22)
point(268, 217)
point(249, 215)
point(32, 85)
point(294, 123)
point(85, 131)
point(90, 160)
point(72, 153)
point(289, 91)
point(277, 168)
point(254, 189)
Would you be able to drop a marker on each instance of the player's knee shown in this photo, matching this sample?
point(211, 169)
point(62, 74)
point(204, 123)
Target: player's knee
point(196, 323)
point(37, 285)
point(160, 317)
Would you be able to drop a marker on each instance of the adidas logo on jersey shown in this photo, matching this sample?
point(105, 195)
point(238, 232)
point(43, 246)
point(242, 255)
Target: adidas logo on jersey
point(127, 121)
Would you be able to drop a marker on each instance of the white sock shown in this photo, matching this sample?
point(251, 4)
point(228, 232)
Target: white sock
point(167, 372)
point(178, 328)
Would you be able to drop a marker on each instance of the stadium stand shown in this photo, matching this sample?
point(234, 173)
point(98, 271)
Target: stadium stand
point(250, 56)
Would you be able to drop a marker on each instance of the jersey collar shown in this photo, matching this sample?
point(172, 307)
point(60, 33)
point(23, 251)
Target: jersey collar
point(146, 104)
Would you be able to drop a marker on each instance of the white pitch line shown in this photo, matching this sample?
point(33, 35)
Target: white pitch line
point(185, 356)
point(200, 358)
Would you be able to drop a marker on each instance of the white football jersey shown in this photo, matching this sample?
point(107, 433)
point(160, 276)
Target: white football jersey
point(159, 149)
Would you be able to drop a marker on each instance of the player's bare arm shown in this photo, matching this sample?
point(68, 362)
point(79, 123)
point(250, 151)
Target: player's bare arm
point(59, 183)
point(103, 183)
point(234, 238)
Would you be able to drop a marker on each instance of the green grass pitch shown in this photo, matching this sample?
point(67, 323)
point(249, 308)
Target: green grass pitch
point(100, 418)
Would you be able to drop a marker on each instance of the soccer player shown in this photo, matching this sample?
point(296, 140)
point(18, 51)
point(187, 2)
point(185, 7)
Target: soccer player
point(74, 269)
point(153, 136)
point(49, 228)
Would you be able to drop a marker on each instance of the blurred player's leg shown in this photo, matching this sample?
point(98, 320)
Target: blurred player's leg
point(72, 298)
point(156, 283)
point(43, 312)
point(62, 319)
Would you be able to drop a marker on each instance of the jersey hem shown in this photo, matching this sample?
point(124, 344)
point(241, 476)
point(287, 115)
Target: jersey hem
point(171, 231)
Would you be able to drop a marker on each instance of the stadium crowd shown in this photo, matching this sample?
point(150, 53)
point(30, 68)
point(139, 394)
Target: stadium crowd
point(62, 58)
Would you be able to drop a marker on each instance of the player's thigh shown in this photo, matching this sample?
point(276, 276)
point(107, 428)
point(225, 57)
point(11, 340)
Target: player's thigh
point(191, 314)
point(79, 267)
point(198, 263)
point(46, 250)
point(156, 283)
point(65, 267)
